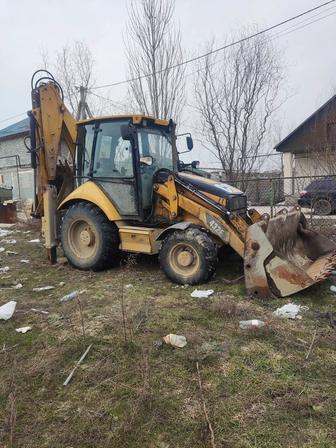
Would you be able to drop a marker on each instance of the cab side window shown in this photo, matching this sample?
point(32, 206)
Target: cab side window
point(113, 155)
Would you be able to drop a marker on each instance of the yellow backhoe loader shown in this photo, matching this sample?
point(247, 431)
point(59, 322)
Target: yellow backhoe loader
point(111, 184)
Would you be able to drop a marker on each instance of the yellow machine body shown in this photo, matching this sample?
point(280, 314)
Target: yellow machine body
point(90, 192)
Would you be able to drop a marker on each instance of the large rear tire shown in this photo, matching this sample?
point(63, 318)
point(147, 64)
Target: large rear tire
point(90, 241)
point(188, 257)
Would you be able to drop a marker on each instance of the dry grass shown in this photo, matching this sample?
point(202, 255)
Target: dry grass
point(260, 389)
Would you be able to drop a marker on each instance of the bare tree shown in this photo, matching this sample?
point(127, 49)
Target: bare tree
point(74, 70)
point(236, 95)
point(153, 45)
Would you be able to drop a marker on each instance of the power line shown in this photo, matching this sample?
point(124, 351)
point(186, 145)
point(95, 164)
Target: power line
point(304, 23)
point(113, 102)
point(188, 61)
point(12, 117)
point(224, 47)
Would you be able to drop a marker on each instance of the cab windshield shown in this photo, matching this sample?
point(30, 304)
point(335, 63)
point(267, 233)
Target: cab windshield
point(155, 144)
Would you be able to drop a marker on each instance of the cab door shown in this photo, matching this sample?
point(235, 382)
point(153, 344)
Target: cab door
point(109, 161)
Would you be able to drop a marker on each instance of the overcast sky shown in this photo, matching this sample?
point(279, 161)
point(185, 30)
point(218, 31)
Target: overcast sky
point(30, 27)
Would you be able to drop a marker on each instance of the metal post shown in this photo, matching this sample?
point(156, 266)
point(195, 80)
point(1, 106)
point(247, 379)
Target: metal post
point(271, 198)
point(83, 110)
point(49, 221)
point(18, 180)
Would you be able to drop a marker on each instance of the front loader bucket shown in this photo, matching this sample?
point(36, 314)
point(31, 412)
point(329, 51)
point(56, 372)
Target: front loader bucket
point(282, 256)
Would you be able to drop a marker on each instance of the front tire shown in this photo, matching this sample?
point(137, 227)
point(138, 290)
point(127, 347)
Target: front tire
point(90, 241)
point(188, 257)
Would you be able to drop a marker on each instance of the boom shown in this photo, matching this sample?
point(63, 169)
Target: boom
point(53, 142)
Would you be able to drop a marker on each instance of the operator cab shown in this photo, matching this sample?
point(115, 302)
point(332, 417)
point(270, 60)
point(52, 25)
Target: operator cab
point(121, 155)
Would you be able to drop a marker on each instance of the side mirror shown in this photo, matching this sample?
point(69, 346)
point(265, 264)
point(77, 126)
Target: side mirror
point(147, 160)
point(190, 143)
point(125, 132)
point(195, 164)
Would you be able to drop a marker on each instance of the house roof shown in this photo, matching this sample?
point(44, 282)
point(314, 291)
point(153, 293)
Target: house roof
point(299, 128)
point(19, 128)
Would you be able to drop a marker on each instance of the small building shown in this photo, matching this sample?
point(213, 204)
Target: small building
point(15, 168)
point(310, 149)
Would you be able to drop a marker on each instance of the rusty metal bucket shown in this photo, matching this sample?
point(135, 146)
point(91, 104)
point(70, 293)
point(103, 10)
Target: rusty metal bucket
point(8, 213)
point(282, 256)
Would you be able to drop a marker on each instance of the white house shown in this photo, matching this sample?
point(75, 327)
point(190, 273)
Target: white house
point(15, 169)
point(310, 149)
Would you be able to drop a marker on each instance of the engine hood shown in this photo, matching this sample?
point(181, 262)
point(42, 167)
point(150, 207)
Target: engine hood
point(210, 186)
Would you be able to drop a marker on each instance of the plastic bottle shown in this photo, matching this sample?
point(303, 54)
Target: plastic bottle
point(71, 296)
point(251, 324)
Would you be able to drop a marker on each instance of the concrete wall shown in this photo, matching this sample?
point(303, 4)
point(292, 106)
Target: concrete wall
point(11, 147)
point(299, 167)
point(317, 164)
point(288, 166)
point(20, 179)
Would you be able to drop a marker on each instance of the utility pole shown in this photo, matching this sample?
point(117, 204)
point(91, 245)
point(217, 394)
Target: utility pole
point(83, 110)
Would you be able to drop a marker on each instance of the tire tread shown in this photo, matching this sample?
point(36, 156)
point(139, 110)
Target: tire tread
point(206, 250)
point(110, 246)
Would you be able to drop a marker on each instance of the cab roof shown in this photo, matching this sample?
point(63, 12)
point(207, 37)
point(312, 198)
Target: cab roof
point(136, 119)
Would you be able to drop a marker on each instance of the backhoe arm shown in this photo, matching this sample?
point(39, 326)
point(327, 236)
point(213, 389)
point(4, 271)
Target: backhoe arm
point(53, 141)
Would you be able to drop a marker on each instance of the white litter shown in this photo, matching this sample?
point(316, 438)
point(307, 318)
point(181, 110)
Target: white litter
point(34, 241)
point(175, 340)
point(26, 231)
point(128, 286)
point(9, 241)
point(39, 311)
point(61, 284)
point(4, 232)
point(251, 324)
point(199, 294)
point(2, 249)
point(333, 288)
point(43, 288)
point(290, 311)
point(11, 252)
point(4, 269)
point(17, 286)
point(24, 261)
point(72, 295)
point(7, 310)
point(67, 381)
point(23, 329)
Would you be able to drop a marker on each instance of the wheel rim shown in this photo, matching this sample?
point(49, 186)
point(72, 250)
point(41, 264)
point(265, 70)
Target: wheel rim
point(82, 239)
point(322, 207)
point(184, 259)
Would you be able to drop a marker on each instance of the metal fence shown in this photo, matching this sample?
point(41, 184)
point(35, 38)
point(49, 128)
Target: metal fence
point(315, 194)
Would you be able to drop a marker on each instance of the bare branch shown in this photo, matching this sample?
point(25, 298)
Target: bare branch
point(152, 46)
point(74, 69)
point(236, 96)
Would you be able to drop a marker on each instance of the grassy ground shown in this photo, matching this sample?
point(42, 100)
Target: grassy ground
point(133, 391)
